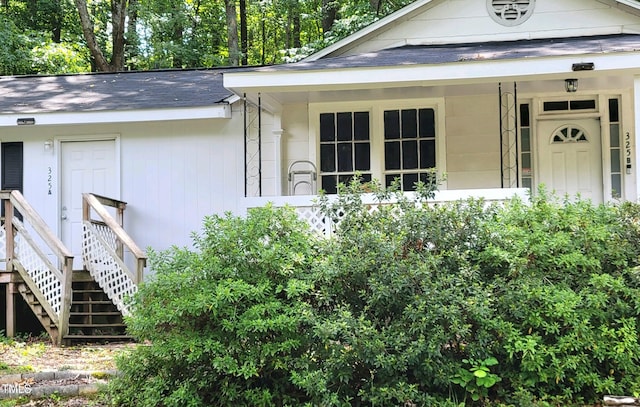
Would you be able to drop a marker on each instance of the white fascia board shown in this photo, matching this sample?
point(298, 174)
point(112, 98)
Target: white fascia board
point(400, 76)
point(219, 111)
point(386, 21)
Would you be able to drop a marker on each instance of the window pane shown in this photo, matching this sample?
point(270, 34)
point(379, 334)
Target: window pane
point(526, 183)
point(392, 155)
point(613, 110)
point(409, 182)
point(525, 139)
point(427, 153)
point(327, 158)
point(616, 185)
point(391, 124)
point(345, 127)
point(615, 135)
point(388, 179)
point(552, 106)
point(427, 177)
point(582, 104)
point(366, 177)
point(329, 184)
point(524, 115)
point(363, 156)
point(409, 123)
point(526, 163)
point(327, 127)
point(361, 126)
point(410, 155)
point(615, 160)
point(427, 123)
point(345, 157)
point(345, 179)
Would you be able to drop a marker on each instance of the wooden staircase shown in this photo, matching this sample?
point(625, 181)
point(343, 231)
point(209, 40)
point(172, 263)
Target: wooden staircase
point(72, 306)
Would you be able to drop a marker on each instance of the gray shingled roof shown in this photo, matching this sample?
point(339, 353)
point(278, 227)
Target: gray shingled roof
point(440, 54)
point(112, 91)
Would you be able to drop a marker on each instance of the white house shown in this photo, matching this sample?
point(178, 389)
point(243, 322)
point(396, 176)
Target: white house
point(499, 95)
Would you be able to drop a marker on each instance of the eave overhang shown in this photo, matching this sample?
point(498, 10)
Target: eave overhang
point(217, 111)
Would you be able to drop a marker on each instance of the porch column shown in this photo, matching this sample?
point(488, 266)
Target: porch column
point(277, 155)
point(11, 312)
point(635, 141)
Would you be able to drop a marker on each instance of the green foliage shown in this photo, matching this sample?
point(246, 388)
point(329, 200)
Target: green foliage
point(408, 304)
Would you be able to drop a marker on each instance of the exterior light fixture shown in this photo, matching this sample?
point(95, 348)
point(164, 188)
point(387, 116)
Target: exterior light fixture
point(24, 121)
point(583, 66)
point(48, 145)
point(571, 85)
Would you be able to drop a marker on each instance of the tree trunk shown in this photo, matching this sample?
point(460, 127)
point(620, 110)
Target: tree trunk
point(244, 37)
point(329, 14)
point(232, 32)
point(375, 6)
point(99, 60)
point(118, 18)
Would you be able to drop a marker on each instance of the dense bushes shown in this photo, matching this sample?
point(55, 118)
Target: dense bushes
point(408, 305)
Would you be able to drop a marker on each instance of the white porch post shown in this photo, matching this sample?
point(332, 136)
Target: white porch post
point(635, 130)
point(277, 154)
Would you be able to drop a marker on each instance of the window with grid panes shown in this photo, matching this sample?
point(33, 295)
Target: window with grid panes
point(345, 148)
point(409, 146)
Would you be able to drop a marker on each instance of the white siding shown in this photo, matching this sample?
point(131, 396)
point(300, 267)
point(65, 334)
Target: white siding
point(460, 21)
point(173, 173)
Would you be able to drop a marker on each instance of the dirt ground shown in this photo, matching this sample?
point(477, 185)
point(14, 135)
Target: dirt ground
point(40, 356)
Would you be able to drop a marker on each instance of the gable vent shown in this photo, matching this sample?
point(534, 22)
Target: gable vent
point(510, 12)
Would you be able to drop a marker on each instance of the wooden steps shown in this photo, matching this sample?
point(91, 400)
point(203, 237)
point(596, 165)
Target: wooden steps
point(38, 310)
point(93, 317)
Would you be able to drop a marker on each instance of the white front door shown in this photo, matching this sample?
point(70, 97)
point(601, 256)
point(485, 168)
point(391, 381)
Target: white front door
point(570, 158)
point(87, 166)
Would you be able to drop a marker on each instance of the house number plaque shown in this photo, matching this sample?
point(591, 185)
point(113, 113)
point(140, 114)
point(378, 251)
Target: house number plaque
point(49, 181)
point(627, 151)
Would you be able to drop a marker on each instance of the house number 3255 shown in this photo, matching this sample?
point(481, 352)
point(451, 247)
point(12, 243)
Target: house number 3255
point(627, 151)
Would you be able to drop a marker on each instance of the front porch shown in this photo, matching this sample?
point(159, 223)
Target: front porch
point(308, 210)
point(82, 304)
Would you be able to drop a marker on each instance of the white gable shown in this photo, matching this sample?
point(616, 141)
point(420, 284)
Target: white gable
point(464, 21)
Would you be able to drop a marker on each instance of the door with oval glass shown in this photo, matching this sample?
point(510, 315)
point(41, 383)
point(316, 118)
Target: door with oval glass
point(570, 157)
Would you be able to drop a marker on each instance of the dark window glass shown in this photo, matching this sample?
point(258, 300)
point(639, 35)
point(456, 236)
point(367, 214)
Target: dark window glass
point(409, 123)
point(409, 182)
point(388, 179)
point(524, 115)
point(613, 111)
point(327, 157)
point(345, 157)
point(554, 106)
point(327, 127)
point(410, 155)
point(392, 155)
point(427, 123)
point(391, 124)
point(361, 126)
point(427, 153)
point(345, 127)
point(582, 104)
point(363, 156)
point(330, 184)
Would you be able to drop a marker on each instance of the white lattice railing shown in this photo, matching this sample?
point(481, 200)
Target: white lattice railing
point(103, 246)
point(23, 241)
point(307, 209)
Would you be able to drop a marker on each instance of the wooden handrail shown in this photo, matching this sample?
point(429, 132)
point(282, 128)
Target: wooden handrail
point(96, 203)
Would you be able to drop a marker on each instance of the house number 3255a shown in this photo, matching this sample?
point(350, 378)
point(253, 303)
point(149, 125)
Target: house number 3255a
point(49, 181)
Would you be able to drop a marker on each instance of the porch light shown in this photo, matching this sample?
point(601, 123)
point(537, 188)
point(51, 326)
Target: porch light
point(571, 85)
point(22, 121)
point(48, 145)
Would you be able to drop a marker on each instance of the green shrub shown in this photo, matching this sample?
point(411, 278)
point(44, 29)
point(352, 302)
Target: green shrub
point(411, 304)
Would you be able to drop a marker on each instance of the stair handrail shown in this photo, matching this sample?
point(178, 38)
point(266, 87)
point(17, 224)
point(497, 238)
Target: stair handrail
point(97, 203)
point(14, 200)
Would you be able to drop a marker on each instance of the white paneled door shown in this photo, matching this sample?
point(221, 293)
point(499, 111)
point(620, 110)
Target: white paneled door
point(570, 157)
point(87, 166)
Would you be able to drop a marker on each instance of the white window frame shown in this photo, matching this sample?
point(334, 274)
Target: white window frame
point(376, 126)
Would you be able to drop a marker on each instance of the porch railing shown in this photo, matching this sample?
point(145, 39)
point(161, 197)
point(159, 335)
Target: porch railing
point(307, 209)
point(103, 249)
point(26, 238)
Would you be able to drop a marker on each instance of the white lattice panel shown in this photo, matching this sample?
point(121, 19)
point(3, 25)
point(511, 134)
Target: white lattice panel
point(44, 278)
point(105, 268)
point(106, 233)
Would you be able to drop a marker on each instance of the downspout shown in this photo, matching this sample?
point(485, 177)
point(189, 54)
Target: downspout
point(244, 98)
